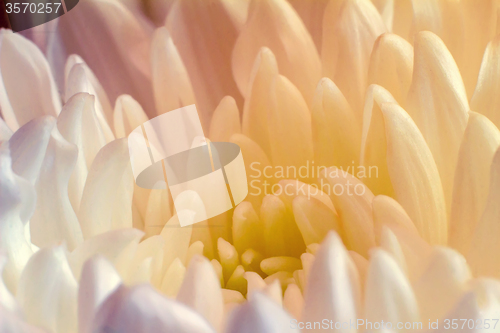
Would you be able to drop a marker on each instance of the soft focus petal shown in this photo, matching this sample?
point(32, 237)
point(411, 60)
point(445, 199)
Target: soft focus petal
point(225, 120)
point(25, 72)
point(127, 116)
point(142, 309)
point(437, 102)
point(205, 28)
point(274, 24)
point(99, 280)
point(47, 291)
point(171, 84)
point(311, 13)
point(201, 291)
point(472, 178)
point(260, 314)
point(333, 286)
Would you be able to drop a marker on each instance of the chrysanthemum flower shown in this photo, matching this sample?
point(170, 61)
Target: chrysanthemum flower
point(391, 108)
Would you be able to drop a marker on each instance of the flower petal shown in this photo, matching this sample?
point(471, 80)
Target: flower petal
point(336, 132)
point(437, 102)
point(210, 74)
point(142, 309)
point(247, 228)
point(472, 178)
point(24, 71)
point(274, 24)
point(171, 84)
point(333, 285)
point(350, 28)
point(225, 120)
point(107, 197)
point(201, 291)
point(47, 291)
point(99, 280)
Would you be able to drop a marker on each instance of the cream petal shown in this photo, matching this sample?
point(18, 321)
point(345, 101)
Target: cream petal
point(201, 291)
point(254, 283)
point(79, 125)
point(113, 245)
point(250, 259)
point(127, 116)
point(99, 280)
point(413, 174)
point(54, 220)
point(260, 314)
point(442, 283)
point(177, 240)
point(290, 189)
point(311, 13)
point(388, 212)
point(386, 10)
point(274, 24)
point(350, 28)
point(142, 309)
point(388, 294)
point(24, 71)
point(122, 65)
point(107, 197)
point(333, 288)
point(225, 120)
point(389, 242)
point(485, 100)
point(276, 264)
point(210, 74)
point(47, 291)
point(374, 141)
point(484, 240)
point(293, 301)
point(12, 206)
point(173, 278)
point(228, 257)
point(437, 102)
point(247, 228)
point(336, 132)
point(158, 212)
point(403, 19)
point(195, 249)
point(10, 322)
point(171, 84)
point(272, 107)
point(314, 219)
point(78, 81)
point(7, 300)
point(218, 270)
point(391, 65)
point(147, 254)
point(281, 234)
point(472, 177)
point(353, 201)
point(90, 84)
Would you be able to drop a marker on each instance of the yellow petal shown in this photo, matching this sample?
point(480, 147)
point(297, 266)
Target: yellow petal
point(158, 212)
point(195, 249)
point(437, 102)
point(172, 280)
point(225, 120)
point(272, 107)
point(350, 28)
point(336, 132)
point(391, 65)
point(228, 258)
point(247, 228)
point(388, 212)
point(353, 201)
point(210, 74)
point(237, 280)
point(250, 259)
point(274, 24)
point(485, 99)
point(171, 84)
point(177, 240)
point(472, 177)
point(485, 237)
point(276, 264)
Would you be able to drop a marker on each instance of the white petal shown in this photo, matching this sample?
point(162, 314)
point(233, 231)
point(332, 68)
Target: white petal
point(142, 309)
point(127, 116)
point(201, 291)
point(388, 294)
point(54, 219)
point(7, 300)
point(5, 131)
point(25, 72)
point(107, 198)
point(333, 289)
point(10, 322)
point(47, 291)
point(260, 314)
point(99, 280)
